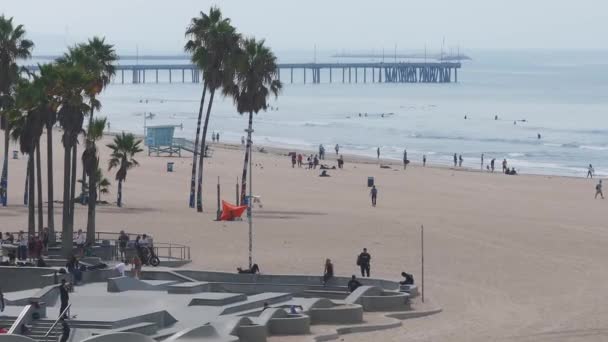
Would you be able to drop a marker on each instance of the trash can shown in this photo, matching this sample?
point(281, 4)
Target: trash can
point(15, 154)
point(370, 182)
point(170, 166)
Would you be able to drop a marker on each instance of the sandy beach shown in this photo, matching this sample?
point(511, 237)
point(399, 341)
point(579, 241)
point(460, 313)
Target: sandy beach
point(508, 258)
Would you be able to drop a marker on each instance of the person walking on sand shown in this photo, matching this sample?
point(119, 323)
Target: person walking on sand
point(455, 160)
point(374, 194)
point(423, 160)
point(482, 162)
point(492, 164)
point(363, 261)
point(378, 152)
point(598, 190)
point(504, 166)
point(300, 159)
point(293, 160)
point(590, 171)
point(337, 149)
point(217, 137)
point(213, 136)
point(460, 160)
point(405, 161)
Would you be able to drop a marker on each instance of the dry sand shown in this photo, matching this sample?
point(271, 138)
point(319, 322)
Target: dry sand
point(507, 258)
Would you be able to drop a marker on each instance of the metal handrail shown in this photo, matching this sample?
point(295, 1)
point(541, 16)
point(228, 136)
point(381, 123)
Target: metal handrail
point(57, 321)
point(19, 321)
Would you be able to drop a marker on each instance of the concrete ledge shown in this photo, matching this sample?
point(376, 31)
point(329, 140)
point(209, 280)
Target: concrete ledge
point(188, 288)
point(122, 337)
point(411, 289)
point(252, 333)
point(413, 314)
point(342, 314)
point(289, 325)
point(386, 301)
point(217, 299)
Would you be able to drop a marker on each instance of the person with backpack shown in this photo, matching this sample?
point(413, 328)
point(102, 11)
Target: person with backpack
point(363, 261)
point(598, 190)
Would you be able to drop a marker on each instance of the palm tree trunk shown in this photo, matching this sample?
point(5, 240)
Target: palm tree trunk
point(73, 184)
point(31, 218)
point(66, 232)
point(4, 178)
point(247, 151)
point(39, 187)
point(199, 192)
point(119, 199)
point(92, 204)
point(196, 141)
point(84, 172)
point(50, 196)
point(27, 183)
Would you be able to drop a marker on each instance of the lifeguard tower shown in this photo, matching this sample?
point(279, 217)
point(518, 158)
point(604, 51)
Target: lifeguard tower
point(159, 140)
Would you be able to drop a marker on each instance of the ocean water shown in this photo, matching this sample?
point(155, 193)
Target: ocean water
point(562, 95)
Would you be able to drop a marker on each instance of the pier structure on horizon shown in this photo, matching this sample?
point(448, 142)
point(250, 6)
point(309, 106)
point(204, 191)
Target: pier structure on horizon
point(374, 72)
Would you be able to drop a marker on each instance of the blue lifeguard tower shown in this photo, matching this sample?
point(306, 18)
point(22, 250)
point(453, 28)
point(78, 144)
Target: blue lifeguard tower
point(159, 140)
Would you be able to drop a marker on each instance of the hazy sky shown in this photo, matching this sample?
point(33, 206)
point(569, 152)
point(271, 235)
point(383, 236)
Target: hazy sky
point(157, 26)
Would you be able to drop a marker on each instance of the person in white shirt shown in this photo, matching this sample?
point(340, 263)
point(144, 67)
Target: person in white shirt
point(22, 241)
point(80, 241)
point(121, 267)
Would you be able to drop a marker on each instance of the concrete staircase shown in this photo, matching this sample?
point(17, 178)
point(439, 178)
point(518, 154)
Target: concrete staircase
point(39, 328)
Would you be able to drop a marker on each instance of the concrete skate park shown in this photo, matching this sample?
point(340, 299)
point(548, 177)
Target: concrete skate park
point(186, 305)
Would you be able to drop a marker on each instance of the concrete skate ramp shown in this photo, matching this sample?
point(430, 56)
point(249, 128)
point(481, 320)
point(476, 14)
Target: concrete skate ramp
point(15, 338)
point(120, 337)
point(356, 296)
point(121, 284)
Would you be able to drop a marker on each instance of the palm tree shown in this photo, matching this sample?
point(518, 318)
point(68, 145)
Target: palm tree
point(255, 80)
point(27, 124)
point(48, 105)
point(97, 58)
point(90, 163)
point(213, 43)
point(72, 82)
point(13, 46)
point(103, 184)
point(124, 148)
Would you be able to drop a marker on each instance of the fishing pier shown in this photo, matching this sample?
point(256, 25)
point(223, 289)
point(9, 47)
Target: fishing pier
point(316, 73)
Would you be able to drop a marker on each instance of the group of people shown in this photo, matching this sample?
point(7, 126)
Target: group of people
point(364, 264)
point(24, 248)
point(215, 137)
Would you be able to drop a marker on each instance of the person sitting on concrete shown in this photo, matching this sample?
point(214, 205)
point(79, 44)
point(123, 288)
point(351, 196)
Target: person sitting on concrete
point(328, 272)
point(293, 310)
point(409, 279)
point(253, 270)
point(353, 284)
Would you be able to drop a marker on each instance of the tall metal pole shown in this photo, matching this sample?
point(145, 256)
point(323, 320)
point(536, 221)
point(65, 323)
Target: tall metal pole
point(250, 207)
point(422, 256)
point(219, 212)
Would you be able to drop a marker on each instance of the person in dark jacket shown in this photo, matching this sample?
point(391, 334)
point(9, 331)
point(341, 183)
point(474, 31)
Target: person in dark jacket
point(64, 297)
point(409, 279)
point(328, 273)
point(363, 261)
